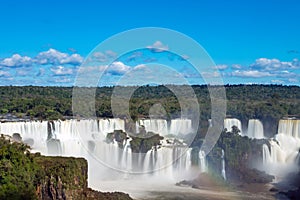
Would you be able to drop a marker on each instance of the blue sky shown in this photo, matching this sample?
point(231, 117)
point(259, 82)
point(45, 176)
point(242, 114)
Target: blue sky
point(44, 42)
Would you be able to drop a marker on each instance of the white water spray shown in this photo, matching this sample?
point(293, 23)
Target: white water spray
point(281, 157)
point(223, 165)
point(255, 129)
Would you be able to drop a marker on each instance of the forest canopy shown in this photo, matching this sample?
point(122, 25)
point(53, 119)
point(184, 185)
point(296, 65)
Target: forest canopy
point(266, 102)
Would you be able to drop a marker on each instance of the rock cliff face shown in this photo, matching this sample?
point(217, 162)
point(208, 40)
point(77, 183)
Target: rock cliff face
point(28, 176)
point(66, 178)
point(144, 142)
point(240, 154)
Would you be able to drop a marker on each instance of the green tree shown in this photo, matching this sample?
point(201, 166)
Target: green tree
point(18, 171)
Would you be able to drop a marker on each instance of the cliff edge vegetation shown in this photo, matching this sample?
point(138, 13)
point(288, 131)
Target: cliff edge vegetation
point(28, 176)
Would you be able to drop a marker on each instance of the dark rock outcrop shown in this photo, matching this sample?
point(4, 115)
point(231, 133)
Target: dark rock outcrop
point(119, 136)
point(141, 143)
point(66, 178)
point(240, 154)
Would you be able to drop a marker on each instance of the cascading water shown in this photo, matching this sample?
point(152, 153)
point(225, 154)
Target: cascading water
point(180, 126)
point(168, 161)
point(33, 130)
point(255, 129)
point(202, 161)
point(266, 154)
point(290, 127)
point(223, 172)
point(86, 138)
point(280, 158)
point(109, 125)
point(154, 125)
point(230, 122)
point(177, 126)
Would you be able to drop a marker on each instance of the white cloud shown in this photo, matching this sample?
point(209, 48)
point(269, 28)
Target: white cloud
point(134, 56)
point(117, 68)
point(50, 57)
point(72, 50)
point(220, 67)
point(99, 56)
point(41, 72)
point(285, 74)
point(74, 59)
point(293, 80)
point(59, 80)
point(263, 67)
point(61, 70)
point(22, 72)
point(103, 56)
point(236, 66)
point(62, 66)
point(250, 73)
point(16, 61)
point(62, 80)
point(277, 81)
point(140, 67)
point(274, 64)
point(157, 47)
point(296, 63)
point(111, 54)
point(53, 56)
point(210, 74)
point(4, 74)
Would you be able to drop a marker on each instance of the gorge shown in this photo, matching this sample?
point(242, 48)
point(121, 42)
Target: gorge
point(172, 157)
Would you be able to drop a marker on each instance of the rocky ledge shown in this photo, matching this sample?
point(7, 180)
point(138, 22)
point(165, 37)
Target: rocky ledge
point(66, 178)
point(32, 176)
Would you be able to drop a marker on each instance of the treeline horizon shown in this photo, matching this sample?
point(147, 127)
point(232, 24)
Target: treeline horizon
point(268, 103)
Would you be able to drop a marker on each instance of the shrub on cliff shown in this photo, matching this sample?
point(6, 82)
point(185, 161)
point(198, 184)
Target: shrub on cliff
point(18, 171)
point(119, 136)
point(240, 154)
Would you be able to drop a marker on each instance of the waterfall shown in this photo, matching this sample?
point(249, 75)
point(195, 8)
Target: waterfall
point(285, 145)
point(210, 124)
point(160, 126)
point(284, 148)
point(223, 165)
point(36, 131)
point(289, 127)
point(202, 161)
point(255, 129)
point(266, 154)
point(126, 161)
point(87, 138)
point(109, 125)
point(230, 122)
point(180, 126)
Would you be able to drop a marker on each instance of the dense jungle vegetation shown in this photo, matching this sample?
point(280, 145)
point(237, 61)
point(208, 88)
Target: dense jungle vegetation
point(28, 176)
point(266, 102)
point(19, 173)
